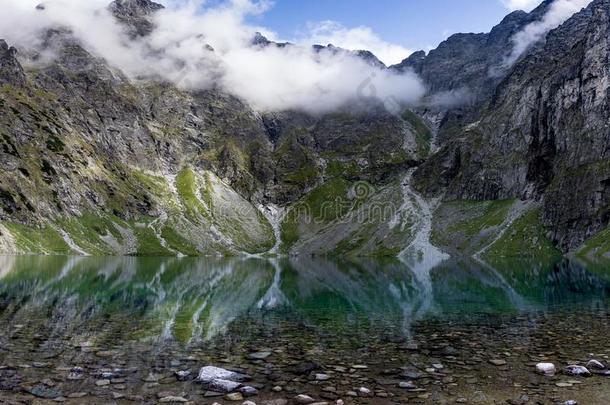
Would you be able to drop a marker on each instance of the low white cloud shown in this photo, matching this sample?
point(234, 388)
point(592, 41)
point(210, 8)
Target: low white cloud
point(525, 5)
point(559, 12)
point(359, 38)
point(201, 46)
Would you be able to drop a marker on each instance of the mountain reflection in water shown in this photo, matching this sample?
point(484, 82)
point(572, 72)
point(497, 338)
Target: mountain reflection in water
point(190, 300)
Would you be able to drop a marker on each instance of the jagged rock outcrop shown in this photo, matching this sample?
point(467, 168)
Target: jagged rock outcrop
point(462, 72)
point(11, 71)
point(135, 15)
point(544, 135)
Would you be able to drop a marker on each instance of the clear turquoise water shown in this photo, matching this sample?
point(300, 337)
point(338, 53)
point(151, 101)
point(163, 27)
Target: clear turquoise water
point(189, 300)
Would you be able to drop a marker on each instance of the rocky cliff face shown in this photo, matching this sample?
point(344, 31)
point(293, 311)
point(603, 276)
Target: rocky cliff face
point(544, 134)
point(93, 162)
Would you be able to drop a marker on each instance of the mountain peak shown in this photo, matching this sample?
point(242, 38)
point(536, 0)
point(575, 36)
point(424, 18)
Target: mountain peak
point(135, 14)
point(135, 7)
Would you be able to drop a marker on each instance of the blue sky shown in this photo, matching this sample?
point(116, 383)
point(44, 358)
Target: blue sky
point(412, 24)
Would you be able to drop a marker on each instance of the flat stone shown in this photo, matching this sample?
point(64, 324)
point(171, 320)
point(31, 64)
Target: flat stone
point(259, 355)
point(219, 385)
point(408, 385)
point(42, 391)
point(278, 401)
point(498, 362)
point(173, 399)
point(234, 396)
point(76, 395)
point(564, 384)
point(102, 383)
point(322, 377)
point(304, 399)
point(248, 391)
point(210, 373)
point(151, 378)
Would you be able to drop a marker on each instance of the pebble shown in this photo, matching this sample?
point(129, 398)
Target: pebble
point(248, 391)
point(42, 391)
point(225, 386)
point(102, 383)
point(498, 362)
point(183, 375)
point(173, 399)
point(364, 392)
point(259, 355)
point(322, 377)
point(151, 378)
point(304, 399)
point(595, 364)
point(408, 385)
point(279, 401)
point(248, 403)
point(577, 370)
point(234, 396)
point(546, 369)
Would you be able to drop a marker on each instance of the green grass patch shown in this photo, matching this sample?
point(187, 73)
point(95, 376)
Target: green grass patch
point(186, 184)
point(44, 240)
point(178, 242)
point(88, 231)
point(148, 243)
point(524, 238)
point(596, 247)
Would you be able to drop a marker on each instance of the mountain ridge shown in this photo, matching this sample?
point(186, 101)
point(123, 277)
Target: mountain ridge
point(98, 163)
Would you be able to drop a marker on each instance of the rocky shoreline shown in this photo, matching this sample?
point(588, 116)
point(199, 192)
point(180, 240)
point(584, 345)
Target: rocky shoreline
point(277, 362)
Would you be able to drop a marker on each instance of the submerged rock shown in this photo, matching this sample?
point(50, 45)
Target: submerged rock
point(248, 391)
point(183, 375)
point(577, 370)
point(173, 399)
point(211, 373)
point(546, 368)
point(304, 399)
point(236, 396)
point(219, 385)
point(594, 364)
point(42, 391)
point(259, 355)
